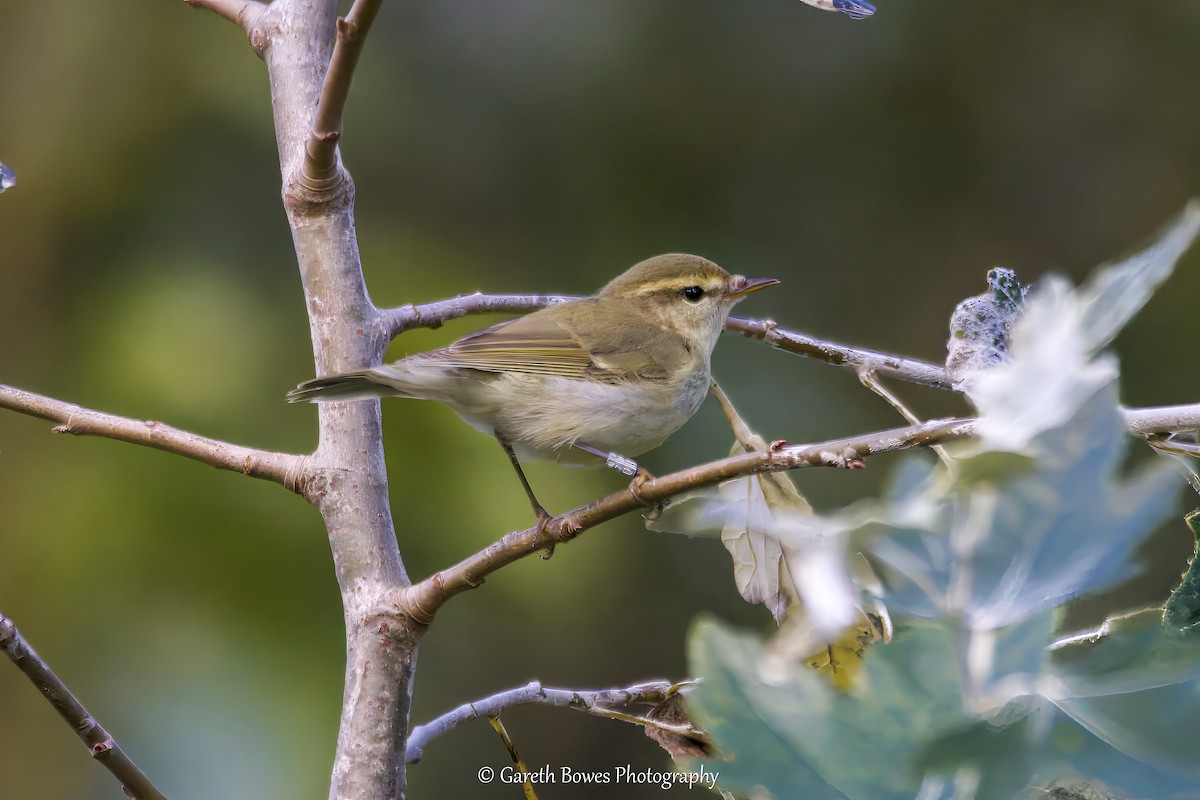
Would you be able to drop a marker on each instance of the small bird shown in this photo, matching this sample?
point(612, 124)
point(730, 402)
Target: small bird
point(588, 381)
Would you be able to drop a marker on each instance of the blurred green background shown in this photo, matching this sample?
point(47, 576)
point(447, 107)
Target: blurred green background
point(878, 168)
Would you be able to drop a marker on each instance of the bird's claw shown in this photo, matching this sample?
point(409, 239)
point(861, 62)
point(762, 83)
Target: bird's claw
point(639, 480)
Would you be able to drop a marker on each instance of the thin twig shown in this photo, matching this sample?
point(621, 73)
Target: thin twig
point(436, 314)
point(599, 702)
point(282, 468)
point(100, 744)
point(243, 13)
point(869, 379)
point(518, 762)
point(320, 169)
point(423, 599)
point(840, 355)
point(1166, 444)
point(747, 438)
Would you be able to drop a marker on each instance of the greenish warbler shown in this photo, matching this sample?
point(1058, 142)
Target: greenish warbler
point(589, 381)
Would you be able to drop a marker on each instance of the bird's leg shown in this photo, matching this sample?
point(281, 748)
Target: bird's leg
point(623, 465)
point(543, 516)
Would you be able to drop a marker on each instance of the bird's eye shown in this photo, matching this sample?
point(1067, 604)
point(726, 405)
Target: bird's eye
point(693, 294)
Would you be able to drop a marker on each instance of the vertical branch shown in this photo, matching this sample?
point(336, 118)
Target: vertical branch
point(347, 479)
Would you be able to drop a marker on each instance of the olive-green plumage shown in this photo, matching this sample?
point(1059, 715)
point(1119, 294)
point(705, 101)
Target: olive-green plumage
point(617, 372)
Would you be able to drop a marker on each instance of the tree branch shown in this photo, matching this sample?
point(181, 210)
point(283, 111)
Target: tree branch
point(433, 315)
point(840, 355)
point(320, 161)
point(282, 468)
point(423, 599)
point(599, 702)
point(1163, 419)
point(100, 744)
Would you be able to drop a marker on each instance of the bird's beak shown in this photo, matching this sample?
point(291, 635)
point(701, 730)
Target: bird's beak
point(743, 286)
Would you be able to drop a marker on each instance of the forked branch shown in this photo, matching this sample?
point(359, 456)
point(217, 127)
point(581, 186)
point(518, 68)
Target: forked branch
point(99, 743)
point(610, 703)
point(243, 13)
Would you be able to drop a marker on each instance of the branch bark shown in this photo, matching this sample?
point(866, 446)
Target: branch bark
point(99, 743)
point(282, 468)
point(1163, 419)
point(598, 702)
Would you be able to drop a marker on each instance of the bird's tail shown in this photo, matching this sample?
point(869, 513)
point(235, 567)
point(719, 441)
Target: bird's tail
point(362, 385)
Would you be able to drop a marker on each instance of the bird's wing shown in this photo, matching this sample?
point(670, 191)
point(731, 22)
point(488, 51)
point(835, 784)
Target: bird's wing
point(535, 344)
point(560, 344)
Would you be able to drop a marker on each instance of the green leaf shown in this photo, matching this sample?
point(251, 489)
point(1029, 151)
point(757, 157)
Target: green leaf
point(756, 758)
point(864, 743)
point(1135, 685)
point(1182, 610)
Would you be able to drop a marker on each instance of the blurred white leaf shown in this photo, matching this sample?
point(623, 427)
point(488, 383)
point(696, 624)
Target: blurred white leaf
point(1010, 545)
point(1051, 374)
point(1113, 294)
point(8, 178)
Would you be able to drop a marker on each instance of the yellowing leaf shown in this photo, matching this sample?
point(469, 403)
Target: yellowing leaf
point(841, 661)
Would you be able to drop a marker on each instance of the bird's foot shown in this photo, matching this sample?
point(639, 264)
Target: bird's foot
point(542, 528)
point(641, 476)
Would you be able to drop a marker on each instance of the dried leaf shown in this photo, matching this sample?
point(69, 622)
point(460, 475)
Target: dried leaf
point(680, 737)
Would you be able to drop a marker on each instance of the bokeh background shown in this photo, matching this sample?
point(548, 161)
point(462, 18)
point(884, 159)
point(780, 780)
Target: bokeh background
point(877, 167)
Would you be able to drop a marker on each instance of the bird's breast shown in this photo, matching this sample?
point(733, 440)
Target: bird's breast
point(544, 415)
